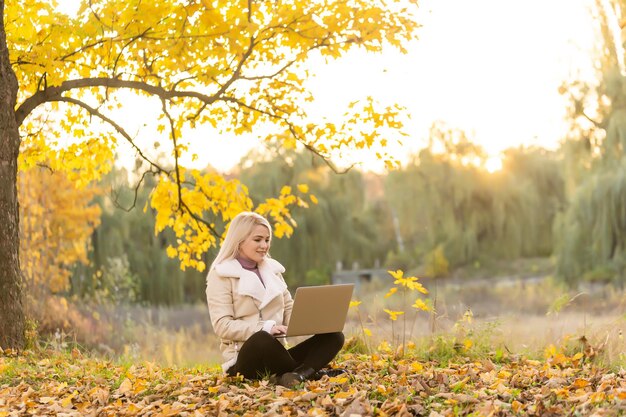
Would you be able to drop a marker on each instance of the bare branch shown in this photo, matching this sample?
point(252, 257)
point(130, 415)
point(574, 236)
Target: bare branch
point(199, 220)
point(595, 123)
point(43, 80)
point(182, 206)
point(46, 166)
point(312, 149)
point(117, 127)
point(237, 72)
point(269, 76)
point(84, 48)
point(294, 133)
point(55, 92)
point(126, 45)
point(115, 195)
point(174, 141)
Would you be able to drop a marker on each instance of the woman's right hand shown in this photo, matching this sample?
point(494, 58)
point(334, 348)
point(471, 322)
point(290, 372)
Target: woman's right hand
point(278, 330)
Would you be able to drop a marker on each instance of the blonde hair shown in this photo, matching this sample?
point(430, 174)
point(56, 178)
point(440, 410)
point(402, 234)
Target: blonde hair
point(238, 230)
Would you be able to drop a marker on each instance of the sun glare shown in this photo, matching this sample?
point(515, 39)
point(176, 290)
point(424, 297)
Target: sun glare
point(493, 164)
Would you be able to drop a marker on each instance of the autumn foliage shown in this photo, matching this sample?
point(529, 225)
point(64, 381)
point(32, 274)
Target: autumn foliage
point(57, 220)
point(377, 384)
point(236, 67)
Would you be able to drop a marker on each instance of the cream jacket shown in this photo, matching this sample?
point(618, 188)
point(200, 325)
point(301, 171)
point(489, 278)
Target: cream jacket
point(239, 304)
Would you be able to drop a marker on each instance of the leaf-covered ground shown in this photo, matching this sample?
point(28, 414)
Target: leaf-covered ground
point(72, 385)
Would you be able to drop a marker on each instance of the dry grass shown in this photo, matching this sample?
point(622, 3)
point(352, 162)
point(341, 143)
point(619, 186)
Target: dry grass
point(517, 316)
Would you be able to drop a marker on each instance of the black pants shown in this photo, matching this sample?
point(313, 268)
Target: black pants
point(262, 354)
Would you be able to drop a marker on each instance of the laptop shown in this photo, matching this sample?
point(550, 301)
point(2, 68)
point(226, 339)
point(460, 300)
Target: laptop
point(319, 309)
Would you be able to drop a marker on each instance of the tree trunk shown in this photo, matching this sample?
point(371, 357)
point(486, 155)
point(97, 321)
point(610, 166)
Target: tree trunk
point(11, 310)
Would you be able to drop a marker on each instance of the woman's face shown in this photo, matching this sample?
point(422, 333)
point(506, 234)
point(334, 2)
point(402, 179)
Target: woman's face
point(256, 245)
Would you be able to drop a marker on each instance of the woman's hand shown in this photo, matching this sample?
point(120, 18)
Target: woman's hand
point(278, 330)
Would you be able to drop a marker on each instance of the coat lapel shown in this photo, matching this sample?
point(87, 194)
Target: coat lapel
point(274, 285)
point(249, 283)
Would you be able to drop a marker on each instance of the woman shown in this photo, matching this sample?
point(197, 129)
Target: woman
point(250, 305)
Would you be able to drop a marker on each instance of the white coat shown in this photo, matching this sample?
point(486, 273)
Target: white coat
point(239, 304)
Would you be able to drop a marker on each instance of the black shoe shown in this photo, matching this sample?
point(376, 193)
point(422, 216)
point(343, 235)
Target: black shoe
point(290, 379)
point(330, 372)
point(297, 376)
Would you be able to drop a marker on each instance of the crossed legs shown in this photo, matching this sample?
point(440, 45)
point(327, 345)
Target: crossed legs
point(262, 354)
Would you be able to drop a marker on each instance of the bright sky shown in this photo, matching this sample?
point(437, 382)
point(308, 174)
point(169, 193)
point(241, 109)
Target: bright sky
point(489, 67)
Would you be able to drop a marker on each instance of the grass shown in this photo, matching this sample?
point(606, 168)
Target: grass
point(509, 317)
point(452, 382)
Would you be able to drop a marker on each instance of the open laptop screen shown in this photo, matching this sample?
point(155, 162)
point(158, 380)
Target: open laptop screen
point(320, 309)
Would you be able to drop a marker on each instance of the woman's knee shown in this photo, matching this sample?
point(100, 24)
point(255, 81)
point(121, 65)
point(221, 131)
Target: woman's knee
point(334, 339)
point(339, 339)
point(261, 339)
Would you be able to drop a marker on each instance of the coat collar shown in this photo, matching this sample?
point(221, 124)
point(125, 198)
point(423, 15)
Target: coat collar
point(249, 283)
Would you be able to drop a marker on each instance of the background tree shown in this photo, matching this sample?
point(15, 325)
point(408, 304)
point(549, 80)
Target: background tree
point(234, 66)
point(592, 232)
point(126, 248)
point(57, 220)
point(450, 208)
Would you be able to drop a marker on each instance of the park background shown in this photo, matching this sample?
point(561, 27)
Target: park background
point(506, 202)
point(461, 162)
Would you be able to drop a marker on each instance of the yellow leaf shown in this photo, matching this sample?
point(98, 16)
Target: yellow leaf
point(139, 386)
point(504, 374)
point(345, 394)
point(396, 274)
point(468, 315)
point(550, 351)
point(393, 315)
point(420, 305)
point(416, 367)
point(383, 347)
point(580, 383)
point(391, 292)
point(125, 387)
point(291, 394)
point(67, 401)
point(171, 252)
point(598, 397)
point(516, 406)
point(382, 389)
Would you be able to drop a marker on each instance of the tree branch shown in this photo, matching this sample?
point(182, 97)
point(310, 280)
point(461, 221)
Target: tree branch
point(174, 141)
point(293, 132)
point(55, 92)
point(118, 128)
point(126, 45)
point(182, 206)
point(596, 124)
point(115, 195)
point(312, 149)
